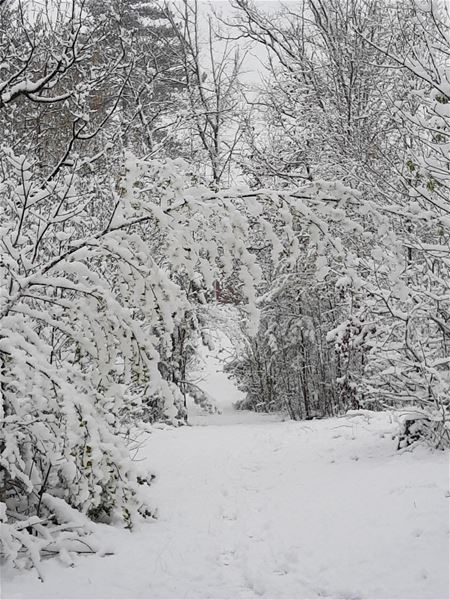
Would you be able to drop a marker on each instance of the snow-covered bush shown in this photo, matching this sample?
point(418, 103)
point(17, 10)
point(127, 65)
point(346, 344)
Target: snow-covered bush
point(378, 333)
point(82, 326)
point(98, 258)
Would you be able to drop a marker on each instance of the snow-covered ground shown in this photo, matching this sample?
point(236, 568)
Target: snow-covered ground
point(210, 375)
point(249, 507)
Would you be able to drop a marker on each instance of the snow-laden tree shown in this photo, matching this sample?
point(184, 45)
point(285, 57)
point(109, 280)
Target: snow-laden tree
point(149, 103)
point(212, 103)
point(358, 90)
point(290, 364)
point(324, 110)
point(409, 359)
point(55, 78)
point(92, 250)
point(322, 113)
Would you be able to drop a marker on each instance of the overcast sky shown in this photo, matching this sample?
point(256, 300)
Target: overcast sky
point(256, 56)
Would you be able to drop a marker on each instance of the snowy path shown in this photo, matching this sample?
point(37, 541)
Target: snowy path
point(325, 509)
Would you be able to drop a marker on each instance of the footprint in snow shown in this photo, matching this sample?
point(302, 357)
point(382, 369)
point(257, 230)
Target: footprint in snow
point(226, 558)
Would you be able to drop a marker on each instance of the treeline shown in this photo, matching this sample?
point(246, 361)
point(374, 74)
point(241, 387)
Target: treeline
point(358, 92)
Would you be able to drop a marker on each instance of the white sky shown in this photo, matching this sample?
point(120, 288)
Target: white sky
point(256, 56)
point(253, 66)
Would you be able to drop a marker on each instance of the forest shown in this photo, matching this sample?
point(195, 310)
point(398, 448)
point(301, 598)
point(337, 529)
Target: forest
point(280, 173)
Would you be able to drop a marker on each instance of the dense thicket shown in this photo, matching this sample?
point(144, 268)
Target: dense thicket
point(358, 91)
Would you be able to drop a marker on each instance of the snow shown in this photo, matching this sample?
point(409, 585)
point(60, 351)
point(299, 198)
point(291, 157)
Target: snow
point(252, 507)
point(210, 376)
